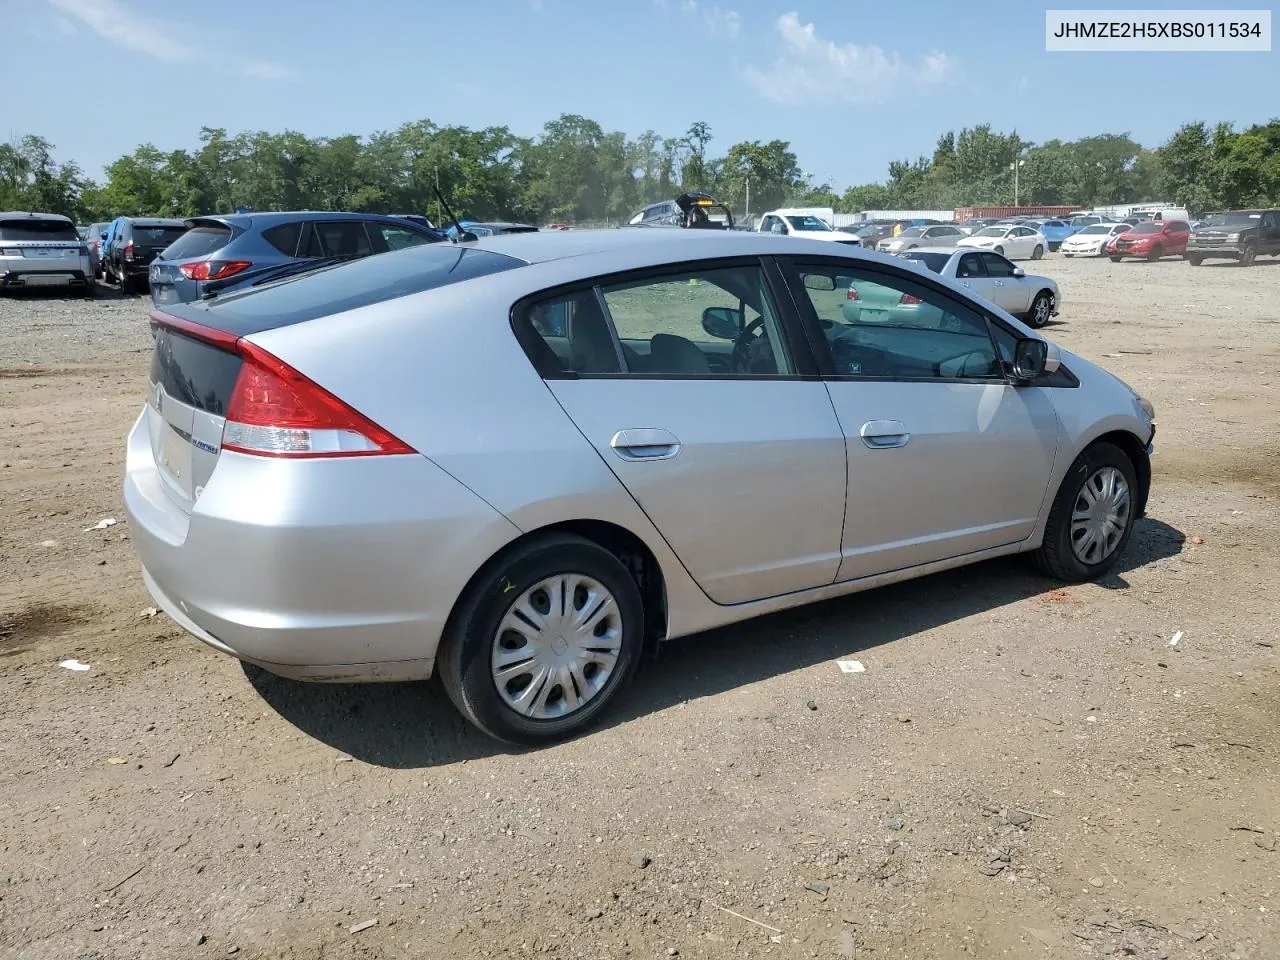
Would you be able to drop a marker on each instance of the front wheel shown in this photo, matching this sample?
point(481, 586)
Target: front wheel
point(1037, 253)
point(1247, 255)
point(543, 640)
point(1092, 516)
point(1116, 258)
point(1195, 261)
point(1155, 254)
point(1041, 310)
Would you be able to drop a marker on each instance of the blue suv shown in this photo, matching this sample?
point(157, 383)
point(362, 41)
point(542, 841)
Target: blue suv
point(222, 253)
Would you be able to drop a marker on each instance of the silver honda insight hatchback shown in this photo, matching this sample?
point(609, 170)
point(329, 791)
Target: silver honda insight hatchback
point(519, 462)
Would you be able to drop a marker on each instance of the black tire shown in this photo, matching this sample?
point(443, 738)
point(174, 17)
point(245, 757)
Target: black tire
point(1247, 255)
point(1156, 253)
point(1037, 253)
point(464, 658)
point(1115, 258)
point(999, 250)
point(1055, 556)
point(1041, 310)
point(90, 289)
point(126, 284)
point(1195, 261)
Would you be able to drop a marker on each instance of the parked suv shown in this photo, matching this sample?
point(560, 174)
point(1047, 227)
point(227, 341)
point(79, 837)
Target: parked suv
point(221, 253)
point(94, 241)
point(133, 243)
point(1151, 240)
point(1238, 235)
point(43, 250)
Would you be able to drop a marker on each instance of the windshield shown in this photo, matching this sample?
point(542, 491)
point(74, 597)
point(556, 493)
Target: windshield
point(992, 232)
point(1053, 223)
point(1084, 221)
point(1234, 219)
point(934, 261)
point(807, 223)
point(40, 231)
point(1096, 228)
point(913, 232)
point(1147, 228)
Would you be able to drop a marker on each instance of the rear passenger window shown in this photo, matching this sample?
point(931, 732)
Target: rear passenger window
point(342, 238)
point(284, 237)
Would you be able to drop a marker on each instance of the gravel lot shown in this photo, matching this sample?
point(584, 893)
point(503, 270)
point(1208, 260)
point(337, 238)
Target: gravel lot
point(1023, 770)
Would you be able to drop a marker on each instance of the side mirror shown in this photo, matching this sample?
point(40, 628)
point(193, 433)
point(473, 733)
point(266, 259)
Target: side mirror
point(818, 281)
point(724, 323)
point(1029, 359)
point(1019, 272)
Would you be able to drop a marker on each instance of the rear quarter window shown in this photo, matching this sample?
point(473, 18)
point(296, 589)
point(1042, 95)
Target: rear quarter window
point(350, 286)
point(284, 237)
point(38, 231)
point(198, 242)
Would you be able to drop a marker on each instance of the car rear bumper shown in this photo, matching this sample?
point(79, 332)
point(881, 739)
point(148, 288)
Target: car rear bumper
point(340, 569)
point(18, 273)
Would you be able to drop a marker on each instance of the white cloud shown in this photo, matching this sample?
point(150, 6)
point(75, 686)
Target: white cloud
point(815, 70)
point(114, 22)
point(718, 22)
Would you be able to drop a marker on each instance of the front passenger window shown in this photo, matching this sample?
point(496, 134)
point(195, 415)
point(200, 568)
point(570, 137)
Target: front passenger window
point(889, 326)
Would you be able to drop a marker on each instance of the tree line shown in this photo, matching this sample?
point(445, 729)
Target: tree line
point(575, 171)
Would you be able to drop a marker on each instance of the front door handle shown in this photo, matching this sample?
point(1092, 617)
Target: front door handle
point(645, 443)
point(999, 283)
point(883, 434)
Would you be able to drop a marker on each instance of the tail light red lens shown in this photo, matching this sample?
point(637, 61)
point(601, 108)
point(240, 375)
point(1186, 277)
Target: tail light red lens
point(275, 411)
point(908, 300)
point(852, 294)
point(213, 269)
point(128, 250)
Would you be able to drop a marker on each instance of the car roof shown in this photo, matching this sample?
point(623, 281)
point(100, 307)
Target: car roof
point(155, 221)
point(246, 220)
point(30, 215)
point(600, 250)
point(495, 223)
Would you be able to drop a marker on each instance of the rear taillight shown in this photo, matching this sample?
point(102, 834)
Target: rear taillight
point(852, 294)
point(128, 250)
point(275, 411)
point(908, 300)
point(213, 269)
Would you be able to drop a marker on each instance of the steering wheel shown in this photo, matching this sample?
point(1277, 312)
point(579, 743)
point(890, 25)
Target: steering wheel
point(742, 344)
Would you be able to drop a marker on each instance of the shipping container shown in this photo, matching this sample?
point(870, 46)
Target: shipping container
point(971, 213)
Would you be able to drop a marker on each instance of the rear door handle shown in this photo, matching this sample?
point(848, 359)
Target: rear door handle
point(645, 443)
point(882, 434)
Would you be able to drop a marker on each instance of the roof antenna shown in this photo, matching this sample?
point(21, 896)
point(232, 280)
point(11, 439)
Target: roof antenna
point(463, 235)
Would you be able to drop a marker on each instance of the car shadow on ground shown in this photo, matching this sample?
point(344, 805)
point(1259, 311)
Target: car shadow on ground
point(413, 725)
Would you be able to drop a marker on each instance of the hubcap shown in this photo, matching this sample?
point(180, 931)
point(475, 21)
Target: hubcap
point(1100, 516)
point(557, 646)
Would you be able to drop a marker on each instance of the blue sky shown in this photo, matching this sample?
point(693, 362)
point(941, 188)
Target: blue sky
point(852, 84)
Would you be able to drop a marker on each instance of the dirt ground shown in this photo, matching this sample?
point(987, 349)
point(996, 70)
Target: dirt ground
point(1024, 769)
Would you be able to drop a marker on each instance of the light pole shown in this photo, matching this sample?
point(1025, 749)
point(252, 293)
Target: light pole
point(1014, 167)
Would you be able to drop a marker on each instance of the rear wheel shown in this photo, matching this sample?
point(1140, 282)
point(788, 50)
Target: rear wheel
point(1116, 258)
point(543, 640)
point(1041, 310)
point(1092, 516)
point(1037, 253)
point(1247, 255)
point(126, 285)
point(1000, 250)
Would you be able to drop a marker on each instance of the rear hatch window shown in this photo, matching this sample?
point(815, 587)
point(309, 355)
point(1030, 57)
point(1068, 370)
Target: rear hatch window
point(28, 230)
point(349, 286)
point(198, 242)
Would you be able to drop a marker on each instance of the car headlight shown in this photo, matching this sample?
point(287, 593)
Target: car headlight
point(1148, 408)
point(1232, 238)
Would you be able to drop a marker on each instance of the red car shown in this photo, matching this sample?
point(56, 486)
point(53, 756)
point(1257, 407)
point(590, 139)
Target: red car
point(1151, 240)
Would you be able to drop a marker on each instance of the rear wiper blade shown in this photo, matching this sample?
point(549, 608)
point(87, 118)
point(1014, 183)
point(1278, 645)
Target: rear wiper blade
point(279, 272)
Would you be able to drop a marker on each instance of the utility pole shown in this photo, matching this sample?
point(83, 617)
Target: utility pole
point(439, 213)
point(747, 215)
point(1014, 167)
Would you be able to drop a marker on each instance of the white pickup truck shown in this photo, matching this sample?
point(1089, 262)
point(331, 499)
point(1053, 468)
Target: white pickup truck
point(802, 223)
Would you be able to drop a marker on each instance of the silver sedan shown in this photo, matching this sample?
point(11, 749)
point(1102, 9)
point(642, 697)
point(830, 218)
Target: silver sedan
point(521, 461)
point(1031, 298)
